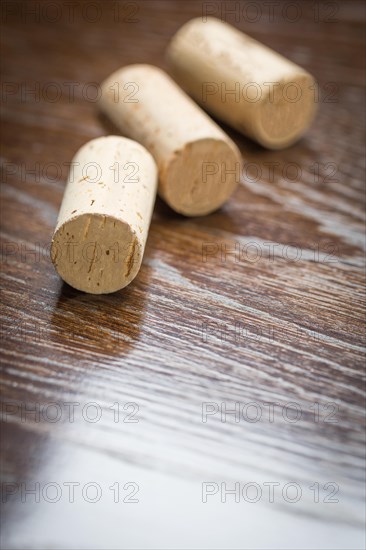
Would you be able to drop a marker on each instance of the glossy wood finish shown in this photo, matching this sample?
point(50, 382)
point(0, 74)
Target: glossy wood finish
point(259, 303)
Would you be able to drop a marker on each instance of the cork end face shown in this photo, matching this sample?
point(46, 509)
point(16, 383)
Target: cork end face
point(201, 177)
point(286, 112)
point(96, 253)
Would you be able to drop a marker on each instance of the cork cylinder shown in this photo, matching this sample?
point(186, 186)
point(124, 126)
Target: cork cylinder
point(199, 165)
point(242, 82)
point(101, 232)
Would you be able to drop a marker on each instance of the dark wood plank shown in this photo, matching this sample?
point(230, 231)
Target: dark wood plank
point(259, 306)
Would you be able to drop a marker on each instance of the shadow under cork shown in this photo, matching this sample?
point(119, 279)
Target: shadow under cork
point(107, 125)
point(104, 324)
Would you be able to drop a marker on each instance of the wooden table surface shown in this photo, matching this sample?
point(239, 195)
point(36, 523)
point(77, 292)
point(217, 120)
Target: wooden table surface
point(117, 430)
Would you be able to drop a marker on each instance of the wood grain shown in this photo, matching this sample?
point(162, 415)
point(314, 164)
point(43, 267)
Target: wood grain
point(261, 302)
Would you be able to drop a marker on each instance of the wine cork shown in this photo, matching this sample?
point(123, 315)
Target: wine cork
point(199, 165)
point(105, 215)
point(242, 82)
